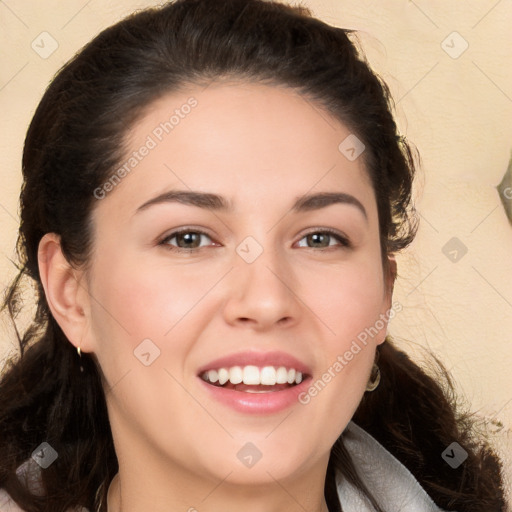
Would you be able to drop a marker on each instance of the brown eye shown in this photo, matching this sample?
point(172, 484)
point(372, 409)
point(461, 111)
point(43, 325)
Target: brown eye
point(319, 239)
point(185, 240)
point(323, 239)
point(189, 240)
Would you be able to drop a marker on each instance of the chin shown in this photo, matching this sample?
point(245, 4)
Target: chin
point(248, 465)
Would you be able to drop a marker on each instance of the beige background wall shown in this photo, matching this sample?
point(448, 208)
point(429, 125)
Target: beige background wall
point(448, 64)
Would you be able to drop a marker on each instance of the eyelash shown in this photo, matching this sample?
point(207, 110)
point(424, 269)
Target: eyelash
point(344, 241)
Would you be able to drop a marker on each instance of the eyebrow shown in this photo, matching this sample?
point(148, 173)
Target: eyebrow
point(215, 202)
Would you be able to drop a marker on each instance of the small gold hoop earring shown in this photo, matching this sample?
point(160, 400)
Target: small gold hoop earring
point(78, 349)
point(375, 378)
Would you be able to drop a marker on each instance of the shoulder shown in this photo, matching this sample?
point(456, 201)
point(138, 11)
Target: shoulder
point(7, 504)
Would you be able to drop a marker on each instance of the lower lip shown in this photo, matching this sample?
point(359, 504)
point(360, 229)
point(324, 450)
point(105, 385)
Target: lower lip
point(256, 403)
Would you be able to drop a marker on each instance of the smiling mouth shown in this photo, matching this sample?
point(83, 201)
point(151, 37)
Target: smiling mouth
point(253, 379)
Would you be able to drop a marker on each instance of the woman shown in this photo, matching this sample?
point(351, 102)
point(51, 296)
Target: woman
point(213, 195)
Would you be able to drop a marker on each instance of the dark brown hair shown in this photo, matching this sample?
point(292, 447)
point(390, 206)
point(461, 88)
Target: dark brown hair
point(77, 138)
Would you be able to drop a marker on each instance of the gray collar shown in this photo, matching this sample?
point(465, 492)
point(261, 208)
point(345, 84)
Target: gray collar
point(391, 483)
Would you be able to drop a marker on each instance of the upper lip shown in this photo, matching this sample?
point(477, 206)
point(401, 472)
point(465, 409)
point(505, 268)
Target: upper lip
point(260, 359)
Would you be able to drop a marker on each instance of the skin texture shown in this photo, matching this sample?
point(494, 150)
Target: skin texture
point(261, 147)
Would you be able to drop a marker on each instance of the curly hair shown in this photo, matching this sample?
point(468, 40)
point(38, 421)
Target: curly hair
point(78, 137)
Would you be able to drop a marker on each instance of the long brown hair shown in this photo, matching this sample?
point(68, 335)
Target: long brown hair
point(77, 138)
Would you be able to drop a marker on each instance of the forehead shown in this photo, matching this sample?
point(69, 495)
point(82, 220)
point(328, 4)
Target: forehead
point(250, 142)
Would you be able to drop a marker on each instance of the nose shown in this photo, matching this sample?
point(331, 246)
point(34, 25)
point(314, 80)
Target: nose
point(263, 294)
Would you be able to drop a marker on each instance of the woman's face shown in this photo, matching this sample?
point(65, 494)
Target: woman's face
point(254, 281)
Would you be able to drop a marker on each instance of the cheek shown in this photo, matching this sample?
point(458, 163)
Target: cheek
point(347, 301)
point(142, 309)
point(349, 304)
point(145, 300)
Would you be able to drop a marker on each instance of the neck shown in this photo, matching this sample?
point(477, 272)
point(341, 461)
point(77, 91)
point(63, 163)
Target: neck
point(275, 498)
point(114, 495)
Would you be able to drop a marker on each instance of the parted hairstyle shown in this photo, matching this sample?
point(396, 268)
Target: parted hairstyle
point(78, 138)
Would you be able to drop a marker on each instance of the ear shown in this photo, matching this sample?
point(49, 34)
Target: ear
point(390, 277)
point(67, 297)
point(390, 271)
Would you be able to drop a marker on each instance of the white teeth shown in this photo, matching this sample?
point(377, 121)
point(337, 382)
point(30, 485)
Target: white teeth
point(268, 376)
point(235, 375)
point(223, 376)
point(281, 375)
point(252, 375)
